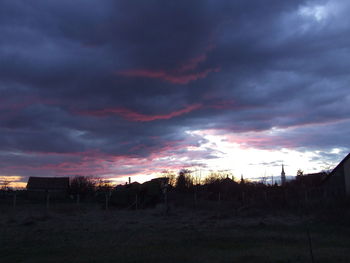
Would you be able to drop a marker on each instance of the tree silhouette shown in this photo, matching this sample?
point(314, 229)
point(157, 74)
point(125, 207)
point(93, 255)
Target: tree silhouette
point(300, 172)
point(184, 181)
point(5, 184)
point(82, 186)
point(171, 177)
point(218, 176)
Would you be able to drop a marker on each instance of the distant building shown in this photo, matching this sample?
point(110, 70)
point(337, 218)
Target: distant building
point(283, 176)
point(310, 180)
point(41, 186)
point(338, 181)
point(134, 194)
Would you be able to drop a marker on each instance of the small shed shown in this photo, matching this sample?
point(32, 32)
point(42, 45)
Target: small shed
point(338, 181)
point(41, 186)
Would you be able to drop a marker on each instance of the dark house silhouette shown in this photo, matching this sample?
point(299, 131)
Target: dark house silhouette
point(143, 195)
point(338, 181)
point(39, 187)
point(310, 180)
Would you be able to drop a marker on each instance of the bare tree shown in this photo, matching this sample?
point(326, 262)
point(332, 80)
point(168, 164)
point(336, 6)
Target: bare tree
point(216, 176)
point(263, 179)
point(5, 184)
point(171, 177)
point(82, 185)
point(197, 178)
point(103, 185)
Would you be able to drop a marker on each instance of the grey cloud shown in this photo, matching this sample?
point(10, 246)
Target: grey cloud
point(275, 68)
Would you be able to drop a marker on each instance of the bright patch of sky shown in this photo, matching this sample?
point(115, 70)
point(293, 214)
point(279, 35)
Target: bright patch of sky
point(317, 13)
point(239, 158)
point(235, 155)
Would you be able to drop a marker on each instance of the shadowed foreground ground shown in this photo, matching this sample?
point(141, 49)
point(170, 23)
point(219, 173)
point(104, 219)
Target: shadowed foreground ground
point(93, 235)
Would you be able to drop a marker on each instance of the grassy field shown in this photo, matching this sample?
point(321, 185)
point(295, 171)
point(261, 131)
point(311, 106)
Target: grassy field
point(90, 234)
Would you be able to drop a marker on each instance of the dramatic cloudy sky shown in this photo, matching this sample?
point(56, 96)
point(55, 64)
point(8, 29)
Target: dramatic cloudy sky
point(119, 88)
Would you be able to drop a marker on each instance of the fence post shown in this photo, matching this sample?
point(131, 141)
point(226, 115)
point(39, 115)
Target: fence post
point(285, 196)
point(310, 245)
point(306, 196)
point(14, 200)
point(47, 200)
point(106, 195)
point(136, 202)
point(166, 208)
point(195, 199)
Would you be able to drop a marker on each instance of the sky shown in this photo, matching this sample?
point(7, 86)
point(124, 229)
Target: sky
point(119, 88)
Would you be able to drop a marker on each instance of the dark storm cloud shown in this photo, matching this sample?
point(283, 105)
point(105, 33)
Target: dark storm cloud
point(127, 79)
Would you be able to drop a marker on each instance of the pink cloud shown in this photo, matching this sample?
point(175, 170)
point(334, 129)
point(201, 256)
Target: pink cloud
point(96, 163)
point(183, 74)
point(101, 164)
point(172, 77)
point(193, 63)
point(135, 116)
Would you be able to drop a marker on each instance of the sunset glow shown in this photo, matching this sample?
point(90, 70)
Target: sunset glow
point(115, 90)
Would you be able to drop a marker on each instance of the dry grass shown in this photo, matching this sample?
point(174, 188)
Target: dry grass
point(90, 234)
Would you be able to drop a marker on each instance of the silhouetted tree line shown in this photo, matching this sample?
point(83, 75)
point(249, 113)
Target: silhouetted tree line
point(187, 188)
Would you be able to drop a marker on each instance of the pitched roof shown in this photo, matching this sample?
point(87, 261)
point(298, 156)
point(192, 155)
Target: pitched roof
point(48, 183)
point(337, 167)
